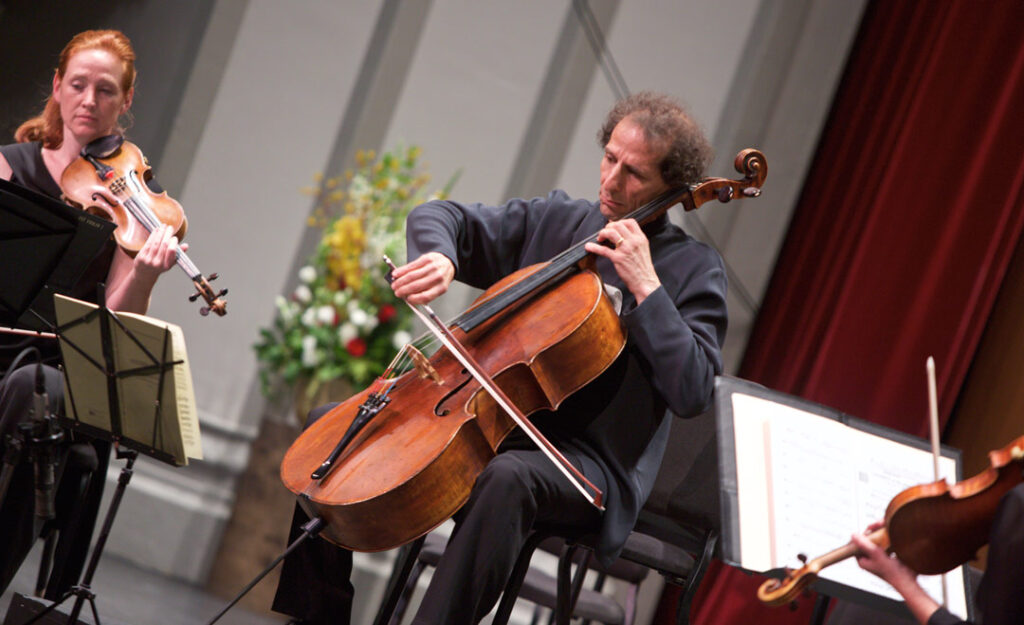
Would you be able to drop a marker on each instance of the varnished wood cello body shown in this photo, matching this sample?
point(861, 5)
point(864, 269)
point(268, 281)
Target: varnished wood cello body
point(541, 333)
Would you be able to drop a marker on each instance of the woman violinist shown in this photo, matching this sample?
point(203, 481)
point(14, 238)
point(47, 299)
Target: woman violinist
point(999, 597)
point(93, 87)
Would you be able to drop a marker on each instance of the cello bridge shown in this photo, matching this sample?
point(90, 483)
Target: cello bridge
point(423, 366)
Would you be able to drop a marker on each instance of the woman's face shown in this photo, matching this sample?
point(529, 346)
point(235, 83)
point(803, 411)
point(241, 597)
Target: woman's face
point(90, 96)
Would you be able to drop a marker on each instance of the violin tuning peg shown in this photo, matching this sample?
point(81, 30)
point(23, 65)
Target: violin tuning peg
point(752, 191)
point(212, 277)
point(193, 297)
point(802, 557)
point(724, 194)
point(205, 310)
point(222, 293)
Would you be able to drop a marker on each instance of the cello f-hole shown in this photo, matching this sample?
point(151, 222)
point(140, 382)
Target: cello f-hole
point(439, 409)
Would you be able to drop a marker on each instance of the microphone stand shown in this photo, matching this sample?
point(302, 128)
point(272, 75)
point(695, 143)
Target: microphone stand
point(44, 434)
point(310, 529)
point(83, 591)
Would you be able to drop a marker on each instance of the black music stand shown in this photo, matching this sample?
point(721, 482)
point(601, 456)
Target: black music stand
point(51, 244)
point(44, 247)
point(126, 448)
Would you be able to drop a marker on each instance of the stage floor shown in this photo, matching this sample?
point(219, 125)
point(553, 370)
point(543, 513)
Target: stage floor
point(128, 595)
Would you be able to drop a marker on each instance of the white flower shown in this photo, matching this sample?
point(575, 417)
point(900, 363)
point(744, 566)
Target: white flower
point(303, 294)
point(359, 189)
point(325, 314)
point(358, 316)
point(284, 309)
point(400, 339)
point(307, 274)
point(347, 332)
point(371, 323)
point(310, 356)
point(340, 298)
point(309, 317)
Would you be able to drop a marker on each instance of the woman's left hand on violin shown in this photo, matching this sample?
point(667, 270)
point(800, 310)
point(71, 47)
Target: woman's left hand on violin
point(158, 254)
point(885, 565)
point(630, 254)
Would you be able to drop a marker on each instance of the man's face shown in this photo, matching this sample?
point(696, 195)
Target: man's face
point(629, 171)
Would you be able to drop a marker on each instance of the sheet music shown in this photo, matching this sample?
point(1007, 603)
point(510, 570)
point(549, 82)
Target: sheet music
point(170, 424)
point(806, 483)
point(185, 393)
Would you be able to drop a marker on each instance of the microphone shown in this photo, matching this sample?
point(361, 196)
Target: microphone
point(45, 457)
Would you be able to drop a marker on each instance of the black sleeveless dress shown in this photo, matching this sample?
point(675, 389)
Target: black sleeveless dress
point(81, 478)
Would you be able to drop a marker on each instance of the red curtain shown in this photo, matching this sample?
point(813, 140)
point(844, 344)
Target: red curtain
point(902, 236)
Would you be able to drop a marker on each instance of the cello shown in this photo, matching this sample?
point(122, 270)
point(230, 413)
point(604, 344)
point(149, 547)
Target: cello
point(412, 445)
point(931, 527)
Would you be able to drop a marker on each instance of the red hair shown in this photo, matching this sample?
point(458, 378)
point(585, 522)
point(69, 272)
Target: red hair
point(48, 126)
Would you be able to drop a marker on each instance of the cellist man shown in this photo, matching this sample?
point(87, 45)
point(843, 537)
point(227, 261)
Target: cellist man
point(615, 429)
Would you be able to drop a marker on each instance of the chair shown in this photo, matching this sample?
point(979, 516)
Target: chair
point(676, 535)
point(540, 588)
point(677, 531)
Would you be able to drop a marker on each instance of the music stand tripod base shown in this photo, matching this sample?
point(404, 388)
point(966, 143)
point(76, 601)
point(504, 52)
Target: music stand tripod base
point(83, 591)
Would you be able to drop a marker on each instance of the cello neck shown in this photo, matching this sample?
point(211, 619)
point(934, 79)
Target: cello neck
point(559, 267)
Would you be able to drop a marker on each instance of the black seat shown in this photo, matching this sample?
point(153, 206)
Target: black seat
point(540, 588)
point(678, 528)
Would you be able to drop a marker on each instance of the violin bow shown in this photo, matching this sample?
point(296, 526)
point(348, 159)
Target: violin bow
point(933, 423)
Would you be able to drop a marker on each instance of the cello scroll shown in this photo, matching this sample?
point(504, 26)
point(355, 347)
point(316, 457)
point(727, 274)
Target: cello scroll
point(754, 167)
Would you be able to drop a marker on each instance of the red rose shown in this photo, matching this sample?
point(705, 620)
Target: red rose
point(386, 313)
point(356, 347)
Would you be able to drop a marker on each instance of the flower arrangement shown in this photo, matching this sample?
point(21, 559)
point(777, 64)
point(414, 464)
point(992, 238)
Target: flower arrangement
point(343, 321)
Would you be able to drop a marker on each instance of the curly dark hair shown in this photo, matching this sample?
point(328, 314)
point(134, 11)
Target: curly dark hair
point(664, 120)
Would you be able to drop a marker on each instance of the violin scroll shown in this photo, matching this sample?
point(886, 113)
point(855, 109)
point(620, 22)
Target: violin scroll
point(213, 301)
point(776, 592)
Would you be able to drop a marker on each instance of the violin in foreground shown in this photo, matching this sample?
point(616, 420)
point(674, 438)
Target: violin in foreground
point(932, 527)
point(109, 180)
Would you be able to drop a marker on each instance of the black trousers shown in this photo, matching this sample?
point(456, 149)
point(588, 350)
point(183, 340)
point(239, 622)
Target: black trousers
point(518, 489)
point(315, 584)
point(81, 473)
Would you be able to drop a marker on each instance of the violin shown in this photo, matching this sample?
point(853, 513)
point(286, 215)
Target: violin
point(932, 527)
point(397, 459)
point(109, 180)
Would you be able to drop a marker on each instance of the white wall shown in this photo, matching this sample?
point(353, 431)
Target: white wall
point(271, 101)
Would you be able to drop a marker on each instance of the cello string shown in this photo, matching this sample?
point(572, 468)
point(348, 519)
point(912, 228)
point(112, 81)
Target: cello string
point(432, 322)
